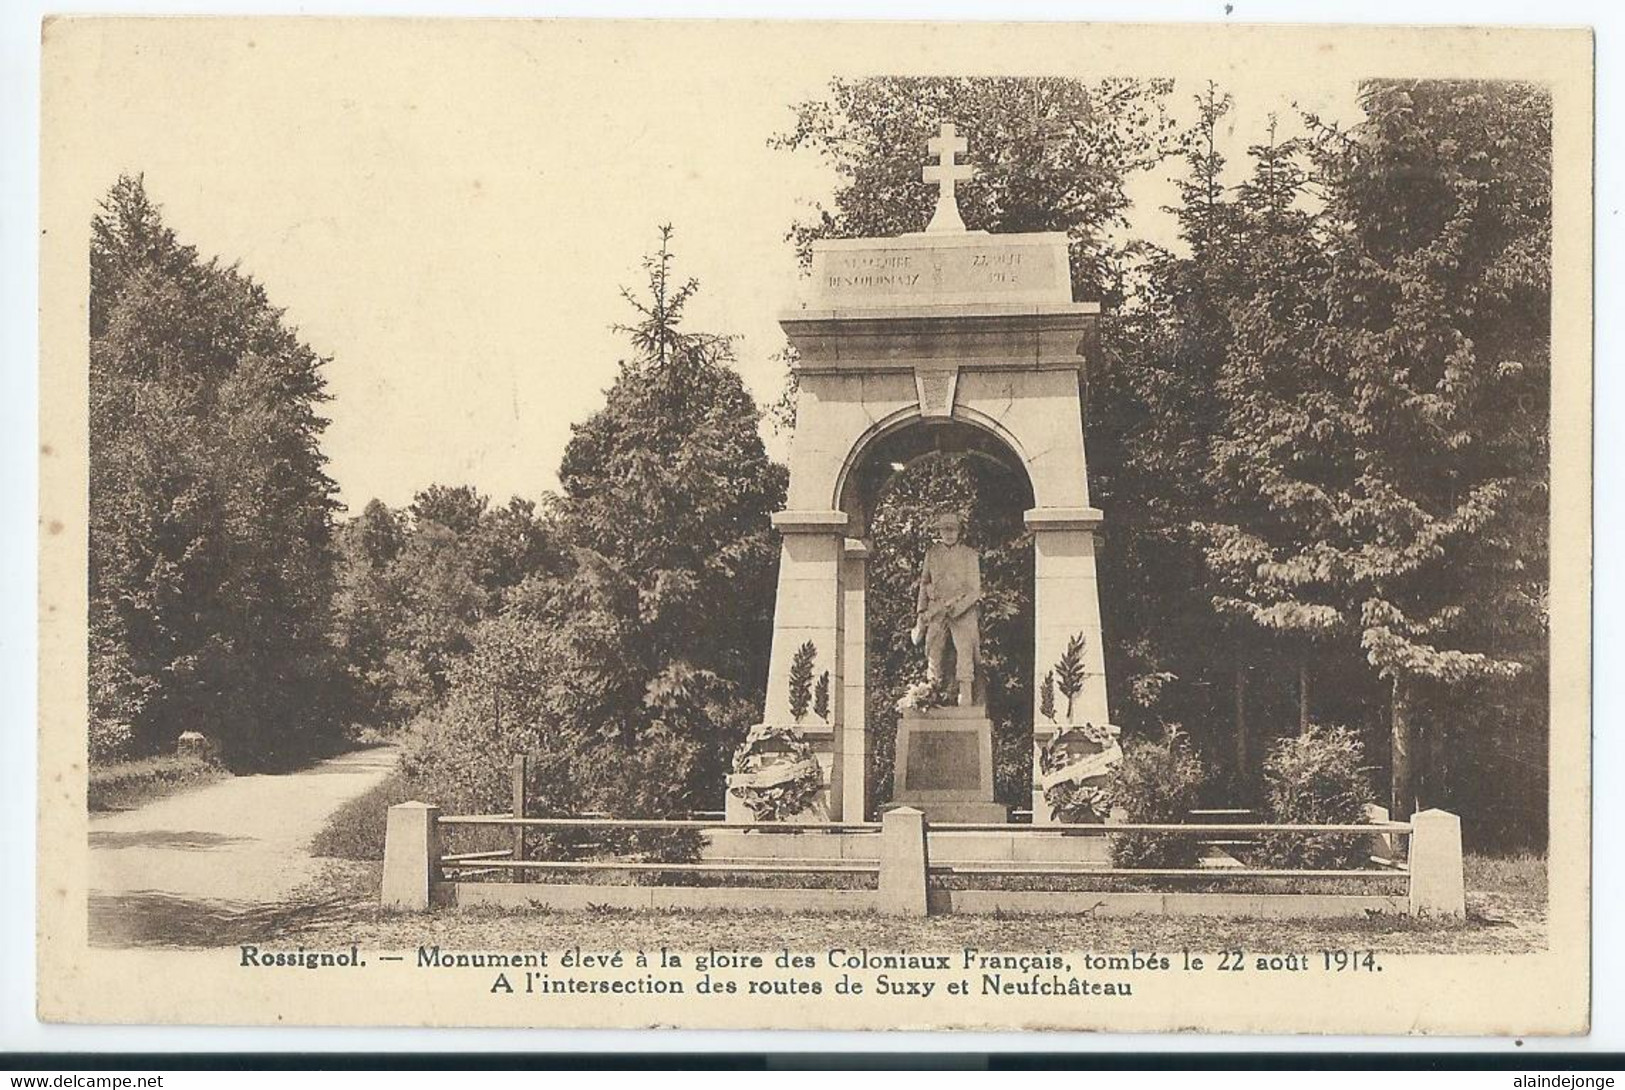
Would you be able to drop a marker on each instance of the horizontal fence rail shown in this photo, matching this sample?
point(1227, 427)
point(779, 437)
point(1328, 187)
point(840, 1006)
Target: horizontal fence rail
point(897, 852)
point(818, 867)
point(1085, 870)
point(1185, 829)
point(509, 821)
point(1383, 829)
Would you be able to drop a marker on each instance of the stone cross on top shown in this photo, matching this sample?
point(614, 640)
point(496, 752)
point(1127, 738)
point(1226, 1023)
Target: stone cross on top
point(945, 172)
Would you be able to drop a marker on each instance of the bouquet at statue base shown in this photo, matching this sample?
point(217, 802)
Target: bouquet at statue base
point(1074, 768)
point(777, 777)
point(925, 695)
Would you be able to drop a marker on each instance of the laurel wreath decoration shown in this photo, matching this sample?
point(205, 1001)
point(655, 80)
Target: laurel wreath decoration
point(1074, 783)
point(775, 773)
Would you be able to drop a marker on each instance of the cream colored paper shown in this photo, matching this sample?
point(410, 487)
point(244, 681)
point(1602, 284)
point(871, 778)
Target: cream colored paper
point(96, 71)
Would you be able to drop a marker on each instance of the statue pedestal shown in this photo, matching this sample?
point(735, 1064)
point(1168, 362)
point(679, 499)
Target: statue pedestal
point(944, 765)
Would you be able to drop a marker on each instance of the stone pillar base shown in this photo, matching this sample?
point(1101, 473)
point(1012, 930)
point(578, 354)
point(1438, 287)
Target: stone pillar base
point(944, 765)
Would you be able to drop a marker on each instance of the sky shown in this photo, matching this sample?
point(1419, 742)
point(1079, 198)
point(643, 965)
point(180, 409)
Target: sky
point(449, 211)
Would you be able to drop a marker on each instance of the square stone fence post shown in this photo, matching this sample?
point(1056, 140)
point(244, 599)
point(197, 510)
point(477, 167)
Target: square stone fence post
point(411, 856)
point(903, 862)
point(1438, 887)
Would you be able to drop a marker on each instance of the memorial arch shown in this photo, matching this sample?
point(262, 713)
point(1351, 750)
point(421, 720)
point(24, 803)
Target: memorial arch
point(974, 335)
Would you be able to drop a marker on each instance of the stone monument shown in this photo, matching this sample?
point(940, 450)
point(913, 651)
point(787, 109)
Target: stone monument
point(944, 762)
point(946, 336)
point(946, 611)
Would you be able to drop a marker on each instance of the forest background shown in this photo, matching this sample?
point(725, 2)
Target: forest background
point(1319, 430)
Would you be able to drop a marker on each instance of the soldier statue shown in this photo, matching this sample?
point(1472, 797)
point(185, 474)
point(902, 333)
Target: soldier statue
point(946, 607)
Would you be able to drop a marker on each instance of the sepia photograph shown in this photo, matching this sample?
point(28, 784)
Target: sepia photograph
point(815, 525)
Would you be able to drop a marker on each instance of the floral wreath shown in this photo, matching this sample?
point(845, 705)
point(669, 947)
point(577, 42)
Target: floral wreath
point(782, 789)
point(923, 695)
point(1075, 786)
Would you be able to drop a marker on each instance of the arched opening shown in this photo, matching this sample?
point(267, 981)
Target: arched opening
point(895, 484)
point(895, 444)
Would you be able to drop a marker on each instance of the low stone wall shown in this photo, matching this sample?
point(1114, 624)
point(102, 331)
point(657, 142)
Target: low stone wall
point(944, 846)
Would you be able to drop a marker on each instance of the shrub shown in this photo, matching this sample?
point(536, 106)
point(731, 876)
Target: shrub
point(110, 739)
point(1316, 778)
point(128, 784)
point(1157, 783)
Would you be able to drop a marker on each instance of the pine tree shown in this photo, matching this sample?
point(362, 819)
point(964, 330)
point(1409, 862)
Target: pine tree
point(646, 629)
point(671, 483)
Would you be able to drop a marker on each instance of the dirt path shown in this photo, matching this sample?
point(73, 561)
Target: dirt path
point(224, 862)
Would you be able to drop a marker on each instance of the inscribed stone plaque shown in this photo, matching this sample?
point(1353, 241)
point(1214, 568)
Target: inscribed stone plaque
point(943, 760)
point(941, 270)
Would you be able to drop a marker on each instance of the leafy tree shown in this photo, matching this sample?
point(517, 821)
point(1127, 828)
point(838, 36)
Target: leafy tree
point(211, 573)
point(1383, 457)
point(636, 656)
point(1052, 154)
point(367, 608)
point(459, 509)
point(378, 535)
point(1441, 303)
point(439, 603)
point(414, 583)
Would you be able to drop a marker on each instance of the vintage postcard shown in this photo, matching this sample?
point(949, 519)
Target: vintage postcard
point(856, 526)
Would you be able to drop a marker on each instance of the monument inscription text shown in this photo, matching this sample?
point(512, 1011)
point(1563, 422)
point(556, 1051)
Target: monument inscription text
point(988, 269)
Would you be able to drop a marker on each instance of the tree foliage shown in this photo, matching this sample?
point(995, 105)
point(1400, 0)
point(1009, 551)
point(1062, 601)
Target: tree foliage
point(414, 584)
point(1158, 782)
point(1319, 425)
point(638, 659)
point(211, 551)
point(1317, 778)
point(1051, 154)
point(1380, 459)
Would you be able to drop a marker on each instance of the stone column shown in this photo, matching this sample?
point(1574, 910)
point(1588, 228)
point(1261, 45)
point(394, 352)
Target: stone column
point(809, 607)
point(411, 856)
point(1066, 602)
point(852, 741)
point(1437, 884)
point(904, 863)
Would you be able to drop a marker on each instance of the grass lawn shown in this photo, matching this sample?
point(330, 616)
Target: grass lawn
point(356, 829)
point(128, 784)
point(1506, 914)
